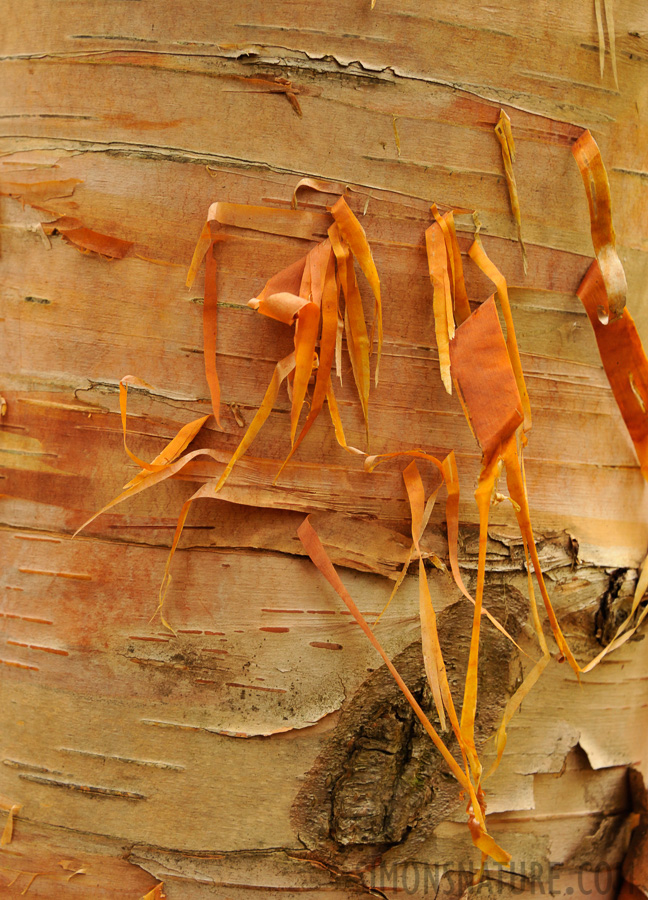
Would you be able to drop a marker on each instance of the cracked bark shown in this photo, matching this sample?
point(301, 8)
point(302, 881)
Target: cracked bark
point(262, 749)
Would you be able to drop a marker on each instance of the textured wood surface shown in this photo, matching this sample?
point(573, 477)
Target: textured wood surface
point(144, 757)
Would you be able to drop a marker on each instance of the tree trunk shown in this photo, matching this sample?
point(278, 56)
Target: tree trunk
point(264, 747)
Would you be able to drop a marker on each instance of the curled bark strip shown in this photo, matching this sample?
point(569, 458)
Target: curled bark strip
point(206, 248)
point(597, 187)
point(319, 185)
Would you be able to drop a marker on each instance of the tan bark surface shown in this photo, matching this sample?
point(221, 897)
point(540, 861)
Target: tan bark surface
point(262, 748)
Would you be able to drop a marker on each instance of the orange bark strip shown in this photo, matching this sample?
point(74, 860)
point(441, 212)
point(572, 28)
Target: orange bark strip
point(354, 235)
point(7, 831)
point(338, 345)
point(306, 329)
point(88, 241)
point(487, 844)
point(123, 399)
point(481, 365)
point(371, 462)
point(287, 281)
point(211, 489)
point(609, 21)
point(479, 257)
point(282, 370)
point(485, 375)
point(313, 546)
point(448, 470)
point(203, 245)
point(334, 412)
point(624, 361)
point(431, 647)
point(517, 491)
point(429, 506)
point(319, 185)
point(597, 187)
point(451, 479)
point(330, 294)
point(302, 224)
point(450, 266)
point(357, 337)
point(504, 135)
point(432, 655)
point(530, 679)
point(483, 494)
point(512, 706)
point(598, 11)
point(210, 330)
point(173, 449)
point(442, 298)
point(318, 260)
point(460, 297)
point(31, 192)
point(149, 479)
point(157, 893)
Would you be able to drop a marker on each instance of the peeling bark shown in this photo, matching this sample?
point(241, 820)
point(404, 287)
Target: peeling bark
point(262, 748)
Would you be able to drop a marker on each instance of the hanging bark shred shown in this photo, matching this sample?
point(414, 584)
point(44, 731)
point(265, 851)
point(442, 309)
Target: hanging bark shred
point(504, 135)
point(12, 809)
point(442, 298)
point(623, 358)
point(597, 187)
point(354, 234)
point(479, 257)
point(450, 301)
point(303, 295)
point(486, 369)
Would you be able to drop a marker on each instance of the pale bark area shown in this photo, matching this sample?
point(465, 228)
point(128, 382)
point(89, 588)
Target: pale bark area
point(229, 760)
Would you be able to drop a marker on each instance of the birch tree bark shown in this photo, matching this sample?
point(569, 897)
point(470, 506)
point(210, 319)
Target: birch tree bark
point(263, 747)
